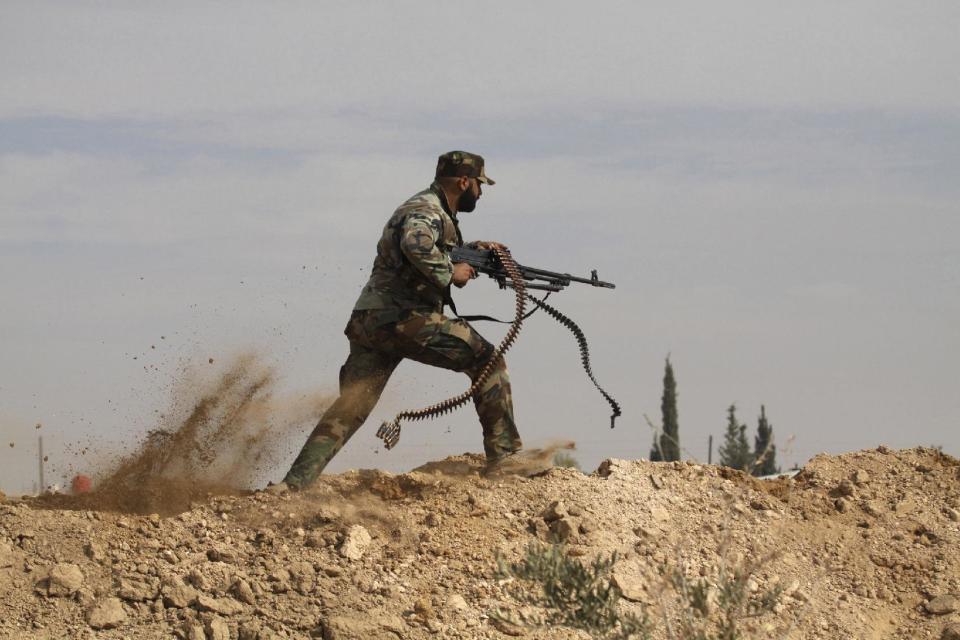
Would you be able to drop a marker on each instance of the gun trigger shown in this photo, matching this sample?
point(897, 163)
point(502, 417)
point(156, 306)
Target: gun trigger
point(593, 275)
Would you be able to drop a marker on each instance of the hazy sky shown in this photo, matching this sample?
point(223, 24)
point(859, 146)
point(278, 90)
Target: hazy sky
point(773, 188)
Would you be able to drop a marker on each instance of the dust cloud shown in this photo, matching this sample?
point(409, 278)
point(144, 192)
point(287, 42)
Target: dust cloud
point(224, 433)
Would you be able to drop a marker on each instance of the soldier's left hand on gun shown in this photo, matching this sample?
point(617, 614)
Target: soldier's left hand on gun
point(462, 274)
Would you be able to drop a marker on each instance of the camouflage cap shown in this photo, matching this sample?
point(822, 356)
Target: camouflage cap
point(454, 164)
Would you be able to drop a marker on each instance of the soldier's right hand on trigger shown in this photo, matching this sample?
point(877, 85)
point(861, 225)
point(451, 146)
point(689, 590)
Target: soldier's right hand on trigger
point(462, 274)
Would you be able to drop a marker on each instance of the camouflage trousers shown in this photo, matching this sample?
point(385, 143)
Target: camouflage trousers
point(379, 341)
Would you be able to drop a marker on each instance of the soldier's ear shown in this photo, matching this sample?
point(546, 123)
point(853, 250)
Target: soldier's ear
point(463, 183)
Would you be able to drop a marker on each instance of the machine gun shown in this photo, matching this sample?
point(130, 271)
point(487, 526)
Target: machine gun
point(500, 265)
point(486, 261)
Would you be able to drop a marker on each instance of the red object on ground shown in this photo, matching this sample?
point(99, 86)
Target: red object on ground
point(81, 484)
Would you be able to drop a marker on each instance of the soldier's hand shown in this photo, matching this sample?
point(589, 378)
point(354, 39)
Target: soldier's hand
point(487, 245)
point(462, 274)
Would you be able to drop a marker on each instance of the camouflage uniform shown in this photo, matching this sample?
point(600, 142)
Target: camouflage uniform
point(400, 315)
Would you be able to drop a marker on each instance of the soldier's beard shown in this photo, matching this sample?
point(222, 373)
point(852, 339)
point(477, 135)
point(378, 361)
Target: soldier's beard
point(467, 201)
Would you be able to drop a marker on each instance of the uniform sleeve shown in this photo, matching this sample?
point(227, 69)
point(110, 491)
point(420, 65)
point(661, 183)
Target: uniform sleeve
point(418, 241)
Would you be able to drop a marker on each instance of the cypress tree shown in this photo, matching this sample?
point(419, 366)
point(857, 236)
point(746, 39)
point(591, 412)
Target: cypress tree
point(763, 446)
point(670, 439)
point(735, 450)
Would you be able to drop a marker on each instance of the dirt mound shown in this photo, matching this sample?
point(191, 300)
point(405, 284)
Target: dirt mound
point(863, 545)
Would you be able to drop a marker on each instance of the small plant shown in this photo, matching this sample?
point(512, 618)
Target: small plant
point(582, 596)
point(714, 610)
point(573, 594)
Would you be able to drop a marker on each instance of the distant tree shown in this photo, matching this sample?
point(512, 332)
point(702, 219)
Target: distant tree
point(666, 441)
point(735, 450)
point(764, 451)
point(670, 438)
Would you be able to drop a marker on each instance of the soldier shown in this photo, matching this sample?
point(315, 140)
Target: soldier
point(400, 315)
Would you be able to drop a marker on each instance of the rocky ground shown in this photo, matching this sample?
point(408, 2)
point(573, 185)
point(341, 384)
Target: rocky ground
point(863, 545)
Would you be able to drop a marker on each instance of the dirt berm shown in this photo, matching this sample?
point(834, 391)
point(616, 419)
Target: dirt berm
point(862, 545)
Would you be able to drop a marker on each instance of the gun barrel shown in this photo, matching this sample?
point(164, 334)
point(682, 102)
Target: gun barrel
point(550, 275)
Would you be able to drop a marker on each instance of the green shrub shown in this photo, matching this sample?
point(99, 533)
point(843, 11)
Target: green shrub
point(582, 596)
point(571, 593)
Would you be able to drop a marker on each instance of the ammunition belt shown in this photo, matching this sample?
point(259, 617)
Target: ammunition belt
point(584, 352)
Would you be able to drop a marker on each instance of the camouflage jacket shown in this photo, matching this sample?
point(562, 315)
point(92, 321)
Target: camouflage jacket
point(412, 269)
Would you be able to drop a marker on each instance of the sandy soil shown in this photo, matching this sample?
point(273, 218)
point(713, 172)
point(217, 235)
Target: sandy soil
point(863, 545)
